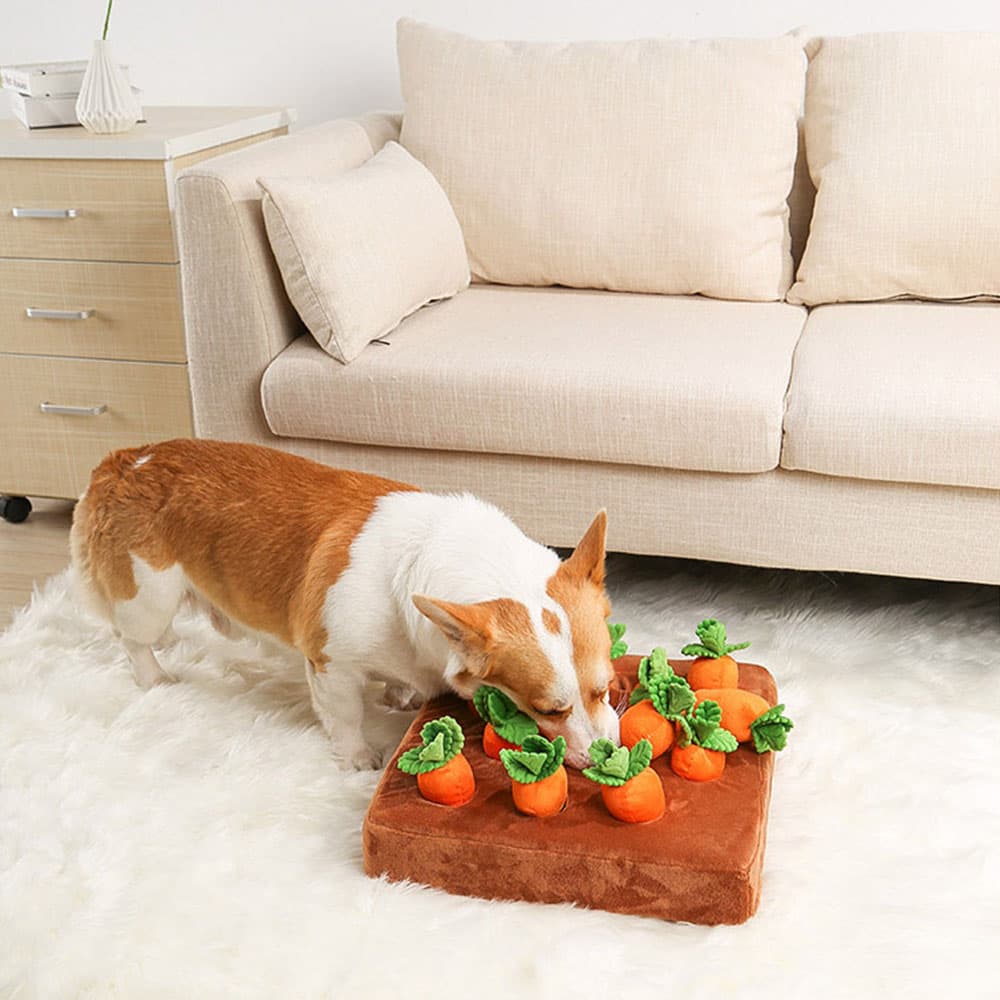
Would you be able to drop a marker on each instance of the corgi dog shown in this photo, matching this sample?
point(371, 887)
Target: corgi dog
point(367, 578)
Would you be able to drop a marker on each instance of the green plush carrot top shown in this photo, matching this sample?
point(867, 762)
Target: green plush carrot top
point(619, 647)
point(615, 765)
point(713, 644)
point(441, 740)
point(770, 730)
point(537, 759)
point(655, 672)
point(703, 728)
point(496, 709)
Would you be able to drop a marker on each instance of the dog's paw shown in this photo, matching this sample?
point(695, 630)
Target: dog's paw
point(402, 697)
point(362, 758)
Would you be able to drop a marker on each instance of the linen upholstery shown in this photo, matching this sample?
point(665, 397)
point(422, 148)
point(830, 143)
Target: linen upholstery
point(902, 391)
point(796, 520)
point(237, 316)
point(904, 149)
point(361, 250)
point(659, 165)
point(684, 383)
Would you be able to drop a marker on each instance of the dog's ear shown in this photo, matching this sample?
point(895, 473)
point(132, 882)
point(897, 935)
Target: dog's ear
point(468, 627)
point(587, 560)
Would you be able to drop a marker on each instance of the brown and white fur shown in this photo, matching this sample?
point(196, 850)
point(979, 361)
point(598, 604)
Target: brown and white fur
point(365, 577)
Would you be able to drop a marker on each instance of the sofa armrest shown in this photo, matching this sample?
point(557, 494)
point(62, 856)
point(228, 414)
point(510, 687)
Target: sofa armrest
point(236, 314)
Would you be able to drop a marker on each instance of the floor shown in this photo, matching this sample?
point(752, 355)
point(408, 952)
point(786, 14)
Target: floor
point(32, 551)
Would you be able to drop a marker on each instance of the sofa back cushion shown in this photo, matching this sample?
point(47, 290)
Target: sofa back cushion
point(903, 144)
point(651, 166)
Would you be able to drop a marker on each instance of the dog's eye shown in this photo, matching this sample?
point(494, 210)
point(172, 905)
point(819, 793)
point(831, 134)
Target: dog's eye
point(551, 712)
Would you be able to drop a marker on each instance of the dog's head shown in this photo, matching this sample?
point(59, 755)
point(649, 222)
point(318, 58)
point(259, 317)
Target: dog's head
point(550, 654)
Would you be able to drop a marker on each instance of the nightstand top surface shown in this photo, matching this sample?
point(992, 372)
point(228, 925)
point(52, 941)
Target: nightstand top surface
point(167, 133)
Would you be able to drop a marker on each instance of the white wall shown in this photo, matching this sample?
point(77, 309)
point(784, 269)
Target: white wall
point(330, 58)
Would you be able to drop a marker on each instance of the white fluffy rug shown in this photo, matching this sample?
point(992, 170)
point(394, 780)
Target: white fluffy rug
point(195, 841)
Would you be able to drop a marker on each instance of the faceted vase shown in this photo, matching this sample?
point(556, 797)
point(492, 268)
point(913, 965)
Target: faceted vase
point(106, 102)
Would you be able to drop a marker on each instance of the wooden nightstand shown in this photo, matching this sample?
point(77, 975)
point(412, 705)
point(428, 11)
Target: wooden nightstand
point(92, 353)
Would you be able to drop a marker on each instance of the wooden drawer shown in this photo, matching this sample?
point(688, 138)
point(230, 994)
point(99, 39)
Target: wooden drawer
point(132, 311)
point(48, 454)
point(121, 206)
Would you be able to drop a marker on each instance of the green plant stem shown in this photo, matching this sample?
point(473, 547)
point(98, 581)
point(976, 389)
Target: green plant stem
point(107, 18)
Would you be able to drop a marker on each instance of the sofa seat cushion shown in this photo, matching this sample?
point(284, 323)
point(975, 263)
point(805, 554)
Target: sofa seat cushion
point(685, 382)
point(899, 391)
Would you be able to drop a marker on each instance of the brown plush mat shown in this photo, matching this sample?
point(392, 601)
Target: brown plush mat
point(700, 863)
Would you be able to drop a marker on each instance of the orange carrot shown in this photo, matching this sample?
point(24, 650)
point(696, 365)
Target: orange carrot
point(538, 779)
point(713, 666)
point(643, 722)
point(506, 724)
point(739, 708)
point(696, 763)
point(749, 717)
point(632, 792)
point(451, 785)
point(443, 774)
point(493, 743)
point(702, 745)
point(544, 798)
point(639, 800)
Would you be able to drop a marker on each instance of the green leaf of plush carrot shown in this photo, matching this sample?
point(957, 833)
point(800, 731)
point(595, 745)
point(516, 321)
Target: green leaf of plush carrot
point(619, 647)
point(770, 730)
point(611, 763)
point(720, 739)
point(538, 759)
point(654, 665)
point(440, 741)
point(640, 757)
point(503, 715)
point(706, 731)
point(671, 695)
point(712, 634)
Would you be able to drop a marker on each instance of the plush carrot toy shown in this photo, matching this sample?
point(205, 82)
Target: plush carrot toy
point(713, 666)
point(749, 717)
point(702, 744)
point(506, 725)
point(538, 778)
point(664, 698)
point(619, 647)
point(631, 790)
point(443, 774)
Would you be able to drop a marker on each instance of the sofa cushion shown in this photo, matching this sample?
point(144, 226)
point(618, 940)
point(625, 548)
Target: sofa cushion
point(360, 250)
point(659, 165)
point(687, 383)
point(900, 391)
point(904, 149)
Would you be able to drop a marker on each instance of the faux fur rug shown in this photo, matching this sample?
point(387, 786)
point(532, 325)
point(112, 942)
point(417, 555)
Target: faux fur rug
point(196, 841)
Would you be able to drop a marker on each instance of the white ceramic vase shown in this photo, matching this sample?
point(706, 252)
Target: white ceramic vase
point(106, 102)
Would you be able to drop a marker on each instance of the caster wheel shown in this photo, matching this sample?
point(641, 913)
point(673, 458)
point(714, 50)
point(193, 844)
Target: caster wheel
point(14, 509)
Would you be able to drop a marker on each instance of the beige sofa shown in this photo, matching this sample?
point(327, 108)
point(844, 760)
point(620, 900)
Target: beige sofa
point(857, 436)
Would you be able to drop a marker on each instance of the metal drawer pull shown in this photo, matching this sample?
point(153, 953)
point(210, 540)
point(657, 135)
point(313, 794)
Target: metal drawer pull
point(32, 313)
point(44, 213)
point(74, 411)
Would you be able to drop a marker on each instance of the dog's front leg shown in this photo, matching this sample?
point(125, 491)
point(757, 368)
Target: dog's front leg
point(340, 705)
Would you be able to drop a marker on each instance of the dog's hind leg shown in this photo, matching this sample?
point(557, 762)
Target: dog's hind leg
point(142, 620)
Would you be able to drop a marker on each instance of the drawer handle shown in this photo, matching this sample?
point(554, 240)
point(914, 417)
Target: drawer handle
point(74, 411)
point(32, 313)
point(44, 213)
